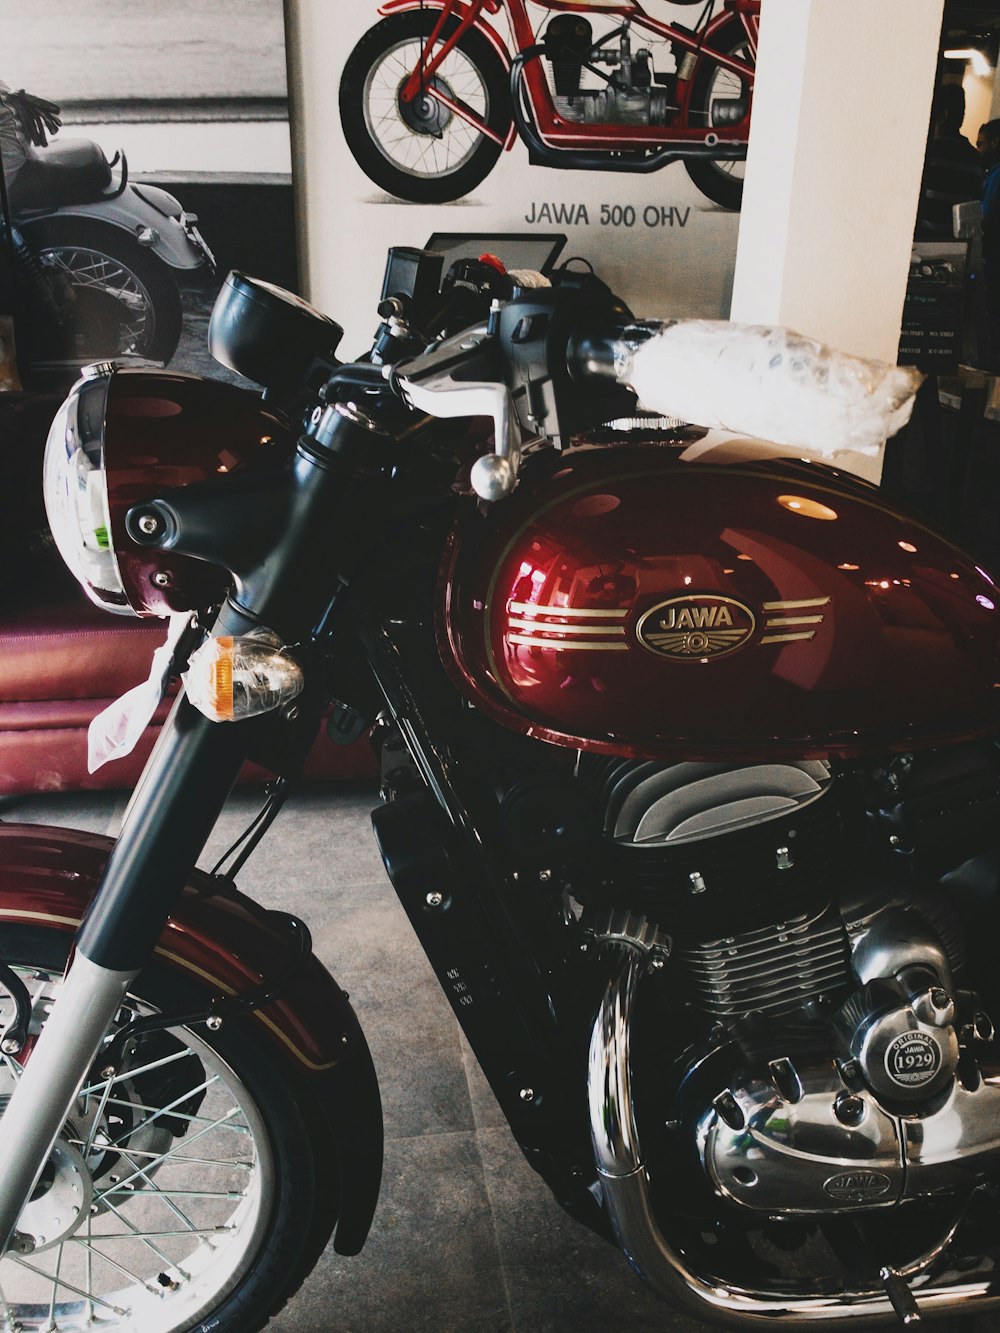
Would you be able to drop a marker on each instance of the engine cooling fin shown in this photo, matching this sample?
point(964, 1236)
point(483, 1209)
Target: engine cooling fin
point(772, 971)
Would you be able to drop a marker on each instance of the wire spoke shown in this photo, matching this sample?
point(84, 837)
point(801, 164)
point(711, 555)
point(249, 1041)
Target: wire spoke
point(126, 1272)
point(175, 1115)
point(231, 1163)
point(55, 1288)
point(234, 1195)
point(163, 1157)
point(221, 1230)
point(90, 1267)
point(163, 1110)
point(136, 1236)
point(77, 1291)
point(134, 1073)
point(102, 1106)
point(158, 1193)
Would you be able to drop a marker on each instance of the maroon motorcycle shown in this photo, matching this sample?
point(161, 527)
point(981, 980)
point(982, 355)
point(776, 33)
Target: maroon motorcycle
point(431, 96)
point(690, 792)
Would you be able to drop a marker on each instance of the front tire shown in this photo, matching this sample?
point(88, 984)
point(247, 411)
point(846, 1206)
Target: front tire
point(208, 1190)
point(720, 180)
point(120, 298)
point(422, 151)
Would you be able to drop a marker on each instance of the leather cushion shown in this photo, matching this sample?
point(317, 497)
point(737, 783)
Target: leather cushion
point(70, 171)
point(74, 651)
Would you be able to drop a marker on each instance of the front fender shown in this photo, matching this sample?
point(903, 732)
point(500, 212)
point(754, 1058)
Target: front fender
point(460, 9)
point(231, 944)
point(131, 212)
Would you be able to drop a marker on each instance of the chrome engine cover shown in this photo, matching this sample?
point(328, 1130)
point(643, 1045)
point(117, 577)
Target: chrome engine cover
point(634, 106)
point(834, 1149)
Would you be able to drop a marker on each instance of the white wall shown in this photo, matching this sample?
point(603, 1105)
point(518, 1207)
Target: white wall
point(833, 173)
point(674, 270)
point(840, 118)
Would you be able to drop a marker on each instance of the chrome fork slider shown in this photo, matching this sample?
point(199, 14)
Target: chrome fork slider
point(943, 1286)
point(66, 1049)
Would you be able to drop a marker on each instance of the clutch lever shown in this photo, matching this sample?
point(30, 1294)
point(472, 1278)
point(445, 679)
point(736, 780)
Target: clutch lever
point(463, 377)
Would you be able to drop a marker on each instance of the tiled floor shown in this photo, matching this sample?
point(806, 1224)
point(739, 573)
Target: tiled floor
point(466, 1236)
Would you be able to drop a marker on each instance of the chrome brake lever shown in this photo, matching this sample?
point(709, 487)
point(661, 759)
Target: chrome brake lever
point(435, 383)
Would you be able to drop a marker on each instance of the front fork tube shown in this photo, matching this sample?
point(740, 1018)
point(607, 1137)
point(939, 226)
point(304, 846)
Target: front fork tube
point(176, 805)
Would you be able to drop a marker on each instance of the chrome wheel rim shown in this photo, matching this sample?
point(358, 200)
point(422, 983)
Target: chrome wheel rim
point(173, 1222)
point(115, 307)
point(449, 141)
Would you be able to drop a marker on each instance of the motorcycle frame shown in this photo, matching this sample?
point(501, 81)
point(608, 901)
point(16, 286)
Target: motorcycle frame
point(555, 131)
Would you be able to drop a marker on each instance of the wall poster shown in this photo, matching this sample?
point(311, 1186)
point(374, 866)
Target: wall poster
point(599, 84)
point(132, 121)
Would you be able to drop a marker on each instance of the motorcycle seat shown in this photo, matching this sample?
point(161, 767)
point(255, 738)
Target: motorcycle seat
point(71, 171)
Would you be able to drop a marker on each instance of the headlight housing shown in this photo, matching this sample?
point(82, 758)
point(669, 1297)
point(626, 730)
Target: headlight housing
point(76, 496)
point(127, 436)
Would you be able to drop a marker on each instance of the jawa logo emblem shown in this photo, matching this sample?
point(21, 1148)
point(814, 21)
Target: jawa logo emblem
point(858, 1186)
point(696, 628)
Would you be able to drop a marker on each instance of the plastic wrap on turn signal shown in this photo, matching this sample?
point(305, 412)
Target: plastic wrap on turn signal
point(232, 678)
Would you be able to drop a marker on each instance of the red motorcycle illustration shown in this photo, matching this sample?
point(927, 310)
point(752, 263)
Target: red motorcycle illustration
point(431, 96)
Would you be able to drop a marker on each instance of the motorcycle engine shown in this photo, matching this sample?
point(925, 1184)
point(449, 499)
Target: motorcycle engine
point(634, 95)
point(834, 1061)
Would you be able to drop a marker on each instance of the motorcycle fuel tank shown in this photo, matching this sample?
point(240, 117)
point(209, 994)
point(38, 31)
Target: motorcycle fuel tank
point(716, 602)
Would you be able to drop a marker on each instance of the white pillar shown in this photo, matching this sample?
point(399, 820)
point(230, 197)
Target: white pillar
point(840, 116)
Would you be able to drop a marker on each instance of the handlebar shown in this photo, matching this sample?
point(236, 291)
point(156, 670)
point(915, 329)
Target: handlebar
point(556, 366)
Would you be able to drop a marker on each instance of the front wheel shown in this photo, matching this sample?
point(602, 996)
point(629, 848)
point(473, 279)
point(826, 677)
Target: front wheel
point(423, 150)
point(720, 97)
point(190, 1192)
point(115, 297)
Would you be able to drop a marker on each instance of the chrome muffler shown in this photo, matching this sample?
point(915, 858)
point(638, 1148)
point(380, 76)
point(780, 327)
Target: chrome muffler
point(932, 1286)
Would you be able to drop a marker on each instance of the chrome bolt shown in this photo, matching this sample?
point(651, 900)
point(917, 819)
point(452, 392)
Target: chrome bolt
point(291, 712)
point(698, 884)
point(434, 899)
point(544, 875)
point(656, 964)
point(213, 1022)
point(784, 858)
point(161, 579)
point(149, 524)
point(894, 841)
point(109, 1071)
point(10, 1046)
point(527, 1094)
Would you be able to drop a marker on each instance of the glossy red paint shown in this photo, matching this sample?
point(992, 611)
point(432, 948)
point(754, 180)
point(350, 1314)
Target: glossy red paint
point(861, 629)
point(164, 430)
point(48, 875)
point(556, 130)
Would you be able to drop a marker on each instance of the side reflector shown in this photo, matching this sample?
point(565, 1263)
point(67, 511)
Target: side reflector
point(231, 678)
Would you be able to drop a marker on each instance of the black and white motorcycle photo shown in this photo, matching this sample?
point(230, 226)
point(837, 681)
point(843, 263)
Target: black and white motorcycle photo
point(93, 257)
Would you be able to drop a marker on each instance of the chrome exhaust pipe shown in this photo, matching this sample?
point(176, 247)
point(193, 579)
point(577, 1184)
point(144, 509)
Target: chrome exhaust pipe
point(936, 1285)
